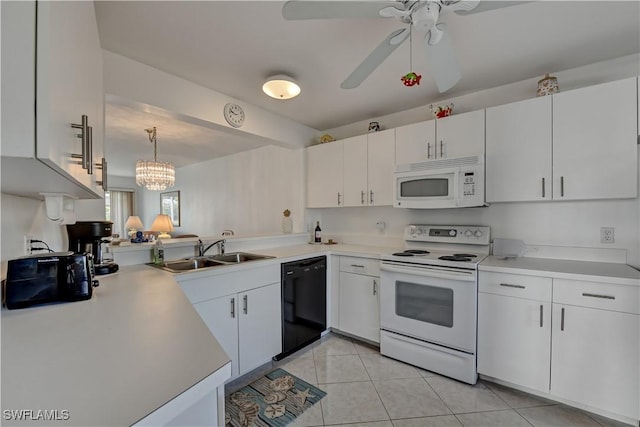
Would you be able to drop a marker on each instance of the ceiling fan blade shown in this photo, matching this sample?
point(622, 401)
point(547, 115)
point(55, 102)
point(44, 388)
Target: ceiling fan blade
point(442, 60)
point(301, 9)
point(479, 6)
point(375, 58)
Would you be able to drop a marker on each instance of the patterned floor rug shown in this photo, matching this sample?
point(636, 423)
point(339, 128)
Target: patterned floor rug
point(274, 400)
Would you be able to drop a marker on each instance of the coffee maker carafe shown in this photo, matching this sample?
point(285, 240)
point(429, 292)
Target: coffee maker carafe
point(88, 236)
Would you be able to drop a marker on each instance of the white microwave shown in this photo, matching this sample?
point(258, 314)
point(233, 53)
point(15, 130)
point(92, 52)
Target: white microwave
point(439, 184)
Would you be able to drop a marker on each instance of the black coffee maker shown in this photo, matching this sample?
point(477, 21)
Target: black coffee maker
point(88, 236)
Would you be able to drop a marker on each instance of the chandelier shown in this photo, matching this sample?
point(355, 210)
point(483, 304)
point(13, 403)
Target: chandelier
point(155, 175)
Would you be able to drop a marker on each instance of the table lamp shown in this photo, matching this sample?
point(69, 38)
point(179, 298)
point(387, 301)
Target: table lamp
point(133, 224)
point(163, 224)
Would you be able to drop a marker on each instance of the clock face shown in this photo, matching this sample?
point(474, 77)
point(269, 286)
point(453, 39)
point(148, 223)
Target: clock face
point(234, 114)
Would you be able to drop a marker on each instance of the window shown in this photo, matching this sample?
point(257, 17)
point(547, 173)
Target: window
point(119, 205)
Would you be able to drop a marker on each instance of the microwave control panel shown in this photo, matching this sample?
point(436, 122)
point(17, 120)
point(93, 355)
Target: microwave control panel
point(468, 184)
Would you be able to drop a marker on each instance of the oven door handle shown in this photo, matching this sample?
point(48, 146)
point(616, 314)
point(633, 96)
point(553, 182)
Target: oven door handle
point(443, 273)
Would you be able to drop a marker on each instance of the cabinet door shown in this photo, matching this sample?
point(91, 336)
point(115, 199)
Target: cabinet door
point(595, 358)
point(514, 340)
point(595, 142)
point(360, 305)
point(69, 85)
point(355, 171)
point(460, 135)
point(221, 316)
point(260, 326)
point(381, 165)
point(518, 157)
point(415, 142)
point(324, 175)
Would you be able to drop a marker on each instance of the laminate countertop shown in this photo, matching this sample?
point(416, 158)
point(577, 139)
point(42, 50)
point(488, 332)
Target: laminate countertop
point(111, 360)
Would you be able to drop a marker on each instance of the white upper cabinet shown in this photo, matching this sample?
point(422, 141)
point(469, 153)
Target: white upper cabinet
point(380, 167)
point(355, 171)
point(68, 85)
point(415, 142)
point(518, 155)
point(324, 175)
point(595, 142)
point(459, 135)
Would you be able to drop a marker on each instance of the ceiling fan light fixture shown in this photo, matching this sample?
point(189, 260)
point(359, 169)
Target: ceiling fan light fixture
point(281, 87)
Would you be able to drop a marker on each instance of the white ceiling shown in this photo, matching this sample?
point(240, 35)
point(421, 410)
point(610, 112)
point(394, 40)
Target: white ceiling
point(232, 46)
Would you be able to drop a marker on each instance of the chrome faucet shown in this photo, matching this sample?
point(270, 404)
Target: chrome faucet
point(202, 250)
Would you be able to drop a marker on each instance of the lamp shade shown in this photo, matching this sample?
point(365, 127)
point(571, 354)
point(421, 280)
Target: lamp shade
point(281, 87)
point(133, 223)
point(163, 224)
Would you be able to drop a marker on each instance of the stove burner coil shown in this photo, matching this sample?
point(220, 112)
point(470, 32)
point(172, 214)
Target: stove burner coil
point(401, 254)
point(465, 255)
point(454, 258)
point(417, 251)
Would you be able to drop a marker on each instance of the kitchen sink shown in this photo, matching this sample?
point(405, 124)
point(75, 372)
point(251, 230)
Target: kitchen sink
point(236, 257)
point(197, 263)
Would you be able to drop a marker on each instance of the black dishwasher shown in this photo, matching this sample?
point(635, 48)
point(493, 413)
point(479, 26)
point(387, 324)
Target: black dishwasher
point(304, 303)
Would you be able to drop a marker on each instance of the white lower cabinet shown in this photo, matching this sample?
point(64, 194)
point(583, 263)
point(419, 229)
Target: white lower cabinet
point(243, 311)
point(514, 341)
point(360, 297)
point(581, 346)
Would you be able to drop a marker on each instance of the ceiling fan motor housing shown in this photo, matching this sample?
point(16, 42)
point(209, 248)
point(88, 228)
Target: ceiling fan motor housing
point(425, 16)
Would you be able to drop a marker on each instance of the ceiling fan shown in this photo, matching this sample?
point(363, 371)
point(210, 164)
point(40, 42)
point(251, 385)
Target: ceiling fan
point(421, 15)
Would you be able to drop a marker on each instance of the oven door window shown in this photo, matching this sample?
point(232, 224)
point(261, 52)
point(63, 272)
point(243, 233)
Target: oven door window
point(425, 303)
point(425, 187)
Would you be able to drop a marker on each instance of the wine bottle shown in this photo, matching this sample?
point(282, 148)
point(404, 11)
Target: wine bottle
point(318, 233)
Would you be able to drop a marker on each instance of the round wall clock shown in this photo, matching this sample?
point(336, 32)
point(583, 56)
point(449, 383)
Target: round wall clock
point(234, 114)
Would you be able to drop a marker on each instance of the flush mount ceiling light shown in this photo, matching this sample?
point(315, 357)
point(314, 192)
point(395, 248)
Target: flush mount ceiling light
point(281, 87)
point(155, 175)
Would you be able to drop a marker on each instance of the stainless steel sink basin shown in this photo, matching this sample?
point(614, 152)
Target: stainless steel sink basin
point(197, 263)
point(236, 257)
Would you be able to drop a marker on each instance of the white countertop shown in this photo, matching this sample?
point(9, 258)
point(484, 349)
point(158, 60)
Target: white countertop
point(564, 269)
point(111, 360)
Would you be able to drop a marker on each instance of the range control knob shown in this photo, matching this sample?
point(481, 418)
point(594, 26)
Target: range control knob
point(452, 233)
point(478, 233)
point(419, 231)
point(412, 230)
point(468, 233)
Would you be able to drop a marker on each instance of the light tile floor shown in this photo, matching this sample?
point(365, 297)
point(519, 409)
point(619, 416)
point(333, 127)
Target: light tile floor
point(367, 389)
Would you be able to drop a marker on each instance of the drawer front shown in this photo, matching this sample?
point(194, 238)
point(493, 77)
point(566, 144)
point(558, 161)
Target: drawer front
point(605, 296)
point(368, 266)
point(515, 285)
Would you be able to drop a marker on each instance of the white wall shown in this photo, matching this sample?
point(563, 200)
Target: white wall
point(246, 192)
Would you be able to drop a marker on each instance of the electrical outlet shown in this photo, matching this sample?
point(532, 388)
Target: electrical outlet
point(27, 244)
point(607, 235)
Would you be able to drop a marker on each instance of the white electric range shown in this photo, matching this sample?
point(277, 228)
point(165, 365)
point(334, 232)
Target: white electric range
point(428, 298)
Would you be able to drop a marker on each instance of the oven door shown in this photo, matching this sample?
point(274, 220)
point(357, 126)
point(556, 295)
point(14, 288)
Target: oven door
point(433, 304)
point(426, 189)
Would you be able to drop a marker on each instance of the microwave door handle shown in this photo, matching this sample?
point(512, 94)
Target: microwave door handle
point(456, 187)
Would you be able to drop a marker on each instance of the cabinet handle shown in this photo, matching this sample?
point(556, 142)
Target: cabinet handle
point(233, 308)
point(598, 296)
point(371, 197)
point(338, 199)
point(562, 186)
point(441, 149)
point(245, 302)
point(362, 197)
point(541, 315)
point(543, 189)
point(84, 136)
point(103, 167)
point(90, 152)
point(428, 150)
point(375, 284)
point(508, 285)
point(357, 265)
point(562, 319)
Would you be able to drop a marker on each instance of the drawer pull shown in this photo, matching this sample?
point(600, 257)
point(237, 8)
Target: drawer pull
point(245, 300)
point(562, 319)
point(375, 290)
point(357, 265)
point(233, 308)
point(584, 294)
point(508, 285)
point(541, 315)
